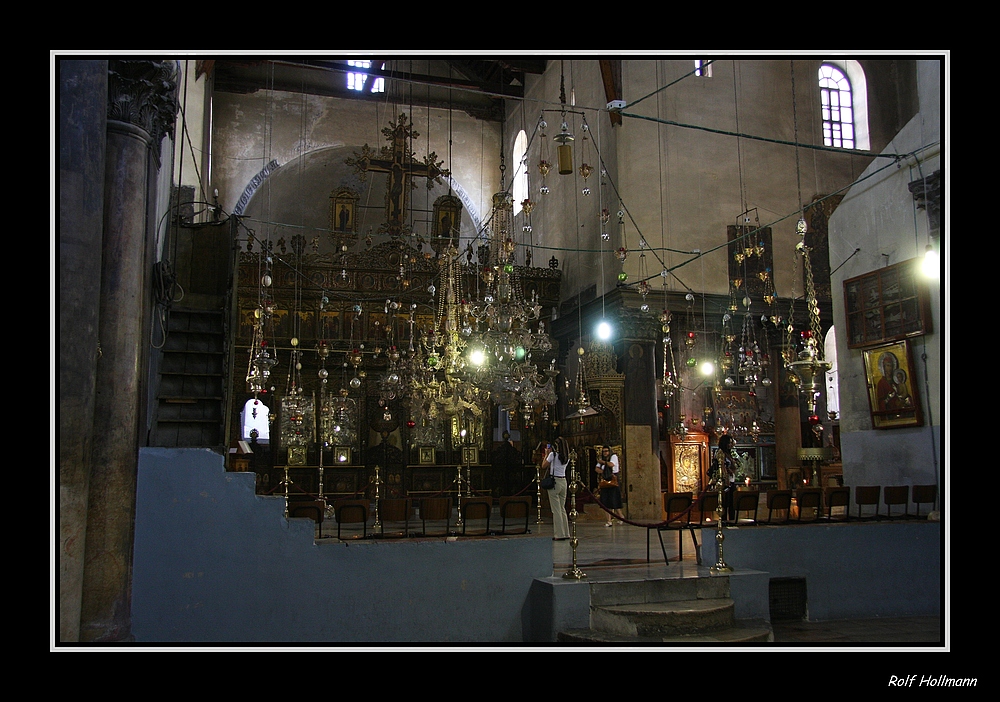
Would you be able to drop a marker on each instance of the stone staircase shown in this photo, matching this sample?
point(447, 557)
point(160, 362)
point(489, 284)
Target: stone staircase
point(191, 397)
point(682, 611)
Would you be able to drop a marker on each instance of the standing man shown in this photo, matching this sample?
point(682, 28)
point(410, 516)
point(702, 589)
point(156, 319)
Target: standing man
point(611, 493)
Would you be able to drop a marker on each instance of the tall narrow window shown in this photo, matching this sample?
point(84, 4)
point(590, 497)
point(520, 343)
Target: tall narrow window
point(703, 68)
point(838, 107)
point(520, 185)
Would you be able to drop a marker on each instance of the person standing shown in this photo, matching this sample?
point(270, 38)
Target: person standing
point(555, 459)
point(724, 471)
point(608, 468)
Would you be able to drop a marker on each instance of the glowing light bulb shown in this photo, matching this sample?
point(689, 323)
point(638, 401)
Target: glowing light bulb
point(931, 265)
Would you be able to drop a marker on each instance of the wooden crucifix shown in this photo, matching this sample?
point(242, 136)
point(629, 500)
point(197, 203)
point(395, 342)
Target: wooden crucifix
point(399, 163)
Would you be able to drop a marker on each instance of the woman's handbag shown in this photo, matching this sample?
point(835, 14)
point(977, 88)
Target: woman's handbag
point(548, 482)
point(602, 483)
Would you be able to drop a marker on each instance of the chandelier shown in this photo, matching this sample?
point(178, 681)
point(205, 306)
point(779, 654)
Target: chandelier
point(481, 348)
point(503, 344)
point(808, 365)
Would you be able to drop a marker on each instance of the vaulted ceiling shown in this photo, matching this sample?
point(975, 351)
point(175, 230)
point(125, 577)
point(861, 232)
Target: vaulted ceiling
point(476, 86)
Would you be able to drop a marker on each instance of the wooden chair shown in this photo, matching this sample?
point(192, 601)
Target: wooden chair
point(779, 501)
point(313, 509)
point(395, 510)
point(838, 497)
point(677, 506)
point(479, 508)
point(747, 501)
point(893, 496)
point(435, 509)
point(924, 495)
point(515, 507)
point(867, 496)
point(809, 499)
point(708, 503)
point(351, 512)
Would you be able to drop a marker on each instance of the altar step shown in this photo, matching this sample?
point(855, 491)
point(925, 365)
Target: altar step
point(686, 611)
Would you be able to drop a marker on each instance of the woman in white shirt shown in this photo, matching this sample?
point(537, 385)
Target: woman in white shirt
point(554, 460)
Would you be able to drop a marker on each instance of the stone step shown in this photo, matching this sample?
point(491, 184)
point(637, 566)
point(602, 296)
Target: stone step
point(681, 611)
point(760, 633)
point(661, 619)
point(658, 590)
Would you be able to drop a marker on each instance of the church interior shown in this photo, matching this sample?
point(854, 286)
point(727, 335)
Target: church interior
point(369, 278)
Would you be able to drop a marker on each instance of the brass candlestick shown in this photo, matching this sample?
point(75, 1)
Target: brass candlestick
point(574, 572)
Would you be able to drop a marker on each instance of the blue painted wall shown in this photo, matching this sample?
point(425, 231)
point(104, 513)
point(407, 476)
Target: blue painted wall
point(215, 563)
point(852, 571)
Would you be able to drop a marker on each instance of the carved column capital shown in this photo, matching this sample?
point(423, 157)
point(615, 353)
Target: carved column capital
point(637, 325)
point(927, 193)
point(144, 94)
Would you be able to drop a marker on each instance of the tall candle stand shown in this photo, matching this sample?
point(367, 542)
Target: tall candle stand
point(720, 563)
point(378, 498)
point(286, 482)
point(575, 485)
point(538, 488)
point(459, 522)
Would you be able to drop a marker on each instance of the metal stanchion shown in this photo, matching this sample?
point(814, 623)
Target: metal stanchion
point(574, 487)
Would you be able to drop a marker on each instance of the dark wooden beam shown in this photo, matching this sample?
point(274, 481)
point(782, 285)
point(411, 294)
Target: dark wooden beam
point(611, 74)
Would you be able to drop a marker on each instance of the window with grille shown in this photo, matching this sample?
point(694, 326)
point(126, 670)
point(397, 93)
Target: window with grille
point(838, 107)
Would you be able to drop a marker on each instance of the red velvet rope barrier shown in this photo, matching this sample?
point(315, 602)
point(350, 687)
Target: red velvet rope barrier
point(682, 515)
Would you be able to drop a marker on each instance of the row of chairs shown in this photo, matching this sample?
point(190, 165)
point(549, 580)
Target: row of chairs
point(395, 514)
point(684, 511)
point(816, 504)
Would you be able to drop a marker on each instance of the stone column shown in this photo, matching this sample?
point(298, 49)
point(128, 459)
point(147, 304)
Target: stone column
point(141, 108)
point(83, 104)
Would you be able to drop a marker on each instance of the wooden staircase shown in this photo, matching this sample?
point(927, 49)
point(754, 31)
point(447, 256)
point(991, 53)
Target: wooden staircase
point(191, 399)
point(685, 611)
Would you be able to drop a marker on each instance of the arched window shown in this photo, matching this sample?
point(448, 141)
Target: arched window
point(834, 76)
point(838, 107)
point(255, 416)
point(520, 184)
